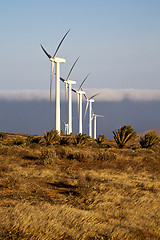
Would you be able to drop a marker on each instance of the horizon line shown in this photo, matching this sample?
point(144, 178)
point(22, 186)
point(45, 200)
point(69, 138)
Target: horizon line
point(106, 94)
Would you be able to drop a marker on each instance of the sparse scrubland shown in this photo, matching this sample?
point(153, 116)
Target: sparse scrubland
point(78, 188)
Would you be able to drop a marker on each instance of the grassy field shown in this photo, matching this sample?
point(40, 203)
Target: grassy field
point(78, 192)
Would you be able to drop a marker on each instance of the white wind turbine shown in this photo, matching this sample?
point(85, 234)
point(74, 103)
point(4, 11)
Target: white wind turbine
point(79, 93)
point(89, 103)
point(57, 61)
point(94, 116)
point(66, 132)
point(68, 84)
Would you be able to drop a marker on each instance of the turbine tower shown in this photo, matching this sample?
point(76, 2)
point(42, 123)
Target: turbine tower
point(57, 61)
point(65, 128)
point(68, 84)
point(79, 93)
point(94, 116)
point(89, 102)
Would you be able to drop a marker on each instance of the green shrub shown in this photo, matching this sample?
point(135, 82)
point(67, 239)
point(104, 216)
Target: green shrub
point(18, 141)
point(148, 140)
point(2, 135)
point(51, 136)
point(32, 139)
point(80, 139)
point(36, 140)
point(123, 135)
point(29, 139)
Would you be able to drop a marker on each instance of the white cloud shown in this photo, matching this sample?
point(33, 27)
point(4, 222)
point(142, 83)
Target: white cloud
point(109, 95)
point(24, 95)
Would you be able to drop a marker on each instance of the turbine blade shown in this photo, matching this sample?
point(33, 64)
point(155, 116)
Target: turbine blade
point(74, 90)
point(99, 116)
point(52, 70)
point(86, 110)
point(60, 44)
point(84, 81)
point(63, 121)
point(85, 95)
point(62, 79)
point(49, 56)
point(94, 96)
point(72, 69)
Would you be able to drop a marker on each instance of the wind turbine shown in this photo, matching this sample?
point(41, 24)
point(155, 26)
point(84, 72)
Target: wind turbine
point(89, 102)
point(79, 93)
point(94, 116)
point(66, 132)
point(57, 61)
point(68, 84)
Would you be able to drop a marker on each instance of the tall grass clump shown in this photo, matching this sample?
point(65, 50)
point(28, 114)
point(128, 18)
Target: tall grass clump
point(123, 135)
point(148, 140)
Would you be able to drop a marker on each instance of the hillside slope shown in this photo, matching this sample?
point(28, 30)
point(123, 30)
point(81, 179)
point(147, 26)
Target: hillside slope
point(85, 192)
point(156, 130)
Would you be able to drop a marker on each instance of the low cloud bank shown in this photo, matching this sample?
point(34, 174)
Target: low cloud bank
point(108, 95)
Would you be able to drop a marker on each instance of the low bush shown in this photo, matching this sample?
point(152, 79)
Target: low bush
point(18, 141)
point(2, 135)
point(148, 140)
point(48, 157)
point(31, 139)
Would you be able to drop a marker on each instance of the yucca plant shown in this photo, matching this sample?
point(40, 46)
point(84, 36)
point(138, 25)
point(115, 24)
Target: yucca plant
point(64, 140)
point(123, 135)
point(100, 139)
point(80, 139)
point(51, 136)
point(148, 140)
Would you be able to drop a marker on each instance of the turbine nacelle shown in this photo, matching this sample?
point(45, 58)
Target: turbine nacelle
point(52, 59)
point(69, 82)
point(80, 92)
point(95, 115)
point(90, 100)
point(61, 60)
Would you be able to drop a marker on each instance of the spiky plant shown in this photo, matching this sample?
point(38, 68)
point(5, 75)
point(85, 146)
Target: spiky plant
point(80, 139)
point(123, 135)
point(51, 136)
point(64, 140)
point(100, 139)
point(148, 140)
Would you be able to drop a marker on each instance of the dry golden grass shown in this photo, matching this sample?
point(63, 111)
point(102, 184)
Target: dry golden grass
point(70, 192)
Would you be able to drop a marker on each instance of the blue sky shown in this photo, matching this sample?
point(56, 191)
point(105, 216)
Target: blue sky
point(118, 41)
